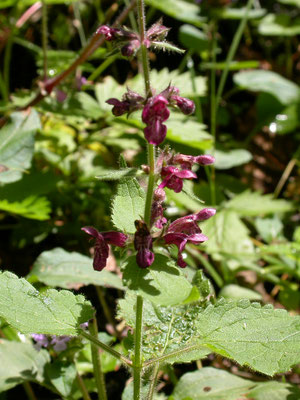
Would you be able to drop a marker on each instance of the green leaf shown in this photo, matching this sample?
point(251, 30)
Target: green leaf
point(166, 329)
point(216, 384)
point(270, 82)
point(193, 38)
point(166, 46)
point(62, 375)
point(254, 203)
point(54, 312)
point(189, 132)
point(232, 158)
point(32, 207)
point(238, 13)
point(286, 121)
point(17, 144)
point(269, 228)
point(227, 235)
point(262, 338)
point(279, 25)
point(117, 174)
point(20, 362)
point(181, 10)
point(128, 205)
point(291, 2)
point(233, 66)
point(163, 283)
point(70, 270)
point(236, 292)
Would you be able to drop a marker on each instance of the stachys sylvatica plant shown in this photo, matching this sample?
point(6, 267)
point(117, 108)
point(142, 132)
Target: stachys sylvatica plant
point(170, 310)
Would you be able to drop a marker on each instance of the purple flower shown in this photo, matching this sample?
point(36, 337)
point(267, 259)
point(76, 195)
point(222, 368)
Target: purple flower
point(154, 114)
point(59, 343)
point(186, 106)
point(157, 212)
point(131, 101)
point(119, 107)
point(143, 245)
point(41, 340)
point(102, 240)
point(108, 32)
point(185, 229)
point(172, 177)
point(187, 161)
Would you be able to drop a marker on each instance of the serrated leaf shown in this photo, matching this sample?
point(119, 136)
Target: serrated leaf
point(32, 207)
point(53, 312)
point(70, 270)
point(166, 329)
point(262, 338)
point(181, 10)
point(232, 158)
point(163, 283)
point(17, 144)
point(270, 82)
point(115, 175)
point(20, 362)
point(128, 205)
point(216, 384)
point(254, 203)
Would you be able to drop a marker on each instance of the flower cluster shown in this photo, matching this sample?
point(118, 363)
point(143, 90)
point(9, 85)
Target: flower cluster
point(59, 343)
point(169, 171)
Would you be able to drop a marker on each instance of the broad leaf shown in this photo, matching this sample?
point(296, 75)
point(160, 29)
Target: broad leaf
point(117, 174)
point(181, 10)
point(193, 38)
point(236, 292)
point(53, 312)
point(227, 234)
point(232, 158)
point(254, 203)
point(216, 384)
point(163, 283)
point(270, 82)
point(279, 25)
point(32, 207)
point(128, 205)
point(70, 270)
point(20, 362)
point(17, 144)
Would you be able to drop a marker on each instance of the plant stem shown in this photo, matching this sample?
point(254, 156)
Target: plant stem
point(143, 49)
point(284, 177)
point(82, 387)
point(44, 38)
point(108, 349)
point(137, 365)
point(153, 382)
point(231, 53)
point(102, 67)
point(104, 306)
point(99, 377)
point(151, 181)
point(79, 23)
point(29, 391)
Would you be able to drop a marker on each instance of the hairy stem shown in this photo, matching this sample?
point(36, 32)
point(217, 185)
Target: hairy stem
point(82, 388)
point(108, 349)
point(99, 377)
point(151, 391)
point(44, 39)
point(137, 365)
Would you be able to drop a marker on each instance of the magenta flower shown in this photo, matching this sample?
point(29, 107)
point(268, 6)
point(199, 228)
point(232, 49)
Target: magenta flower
point(131, 101)
point(172, 177)
point(185, 105)
point(154, 114)
point(185, 229)
point(102, 240)
point(143, 245)
point(109, 33)
point(119, 107)
point(187, 161)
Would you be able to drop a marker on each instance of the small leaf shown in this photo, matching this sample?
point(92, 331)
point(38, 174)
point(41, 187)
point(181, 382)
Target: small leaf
point(193, 38)
point(67, 270)
point(53, 312)
point(62, 376)
point(279, 25)
point(128, 205)
point(270, 82)
point(236, 292)
point(162, 283)
point(17, 145)
point(254, 203)
point(20, 362)
point(32, 207)
point(166, 46)
point(115, 175)
point(238, 13)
